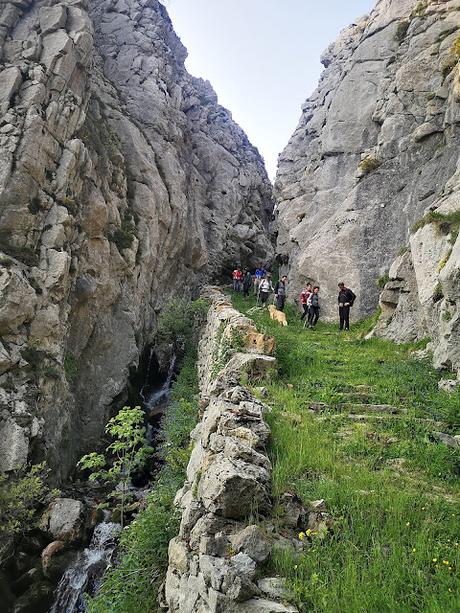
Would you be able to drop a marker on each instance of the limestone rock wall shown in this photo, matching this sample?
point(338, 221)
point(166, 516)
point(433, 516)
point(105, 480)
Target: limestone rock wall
point(422, 296)
point(377, 144)
point(123, 183)
point(213, 561)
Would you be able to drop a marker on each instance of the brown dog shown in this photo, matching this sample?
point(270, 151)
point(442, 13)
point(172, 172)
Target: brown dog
point(276, 315)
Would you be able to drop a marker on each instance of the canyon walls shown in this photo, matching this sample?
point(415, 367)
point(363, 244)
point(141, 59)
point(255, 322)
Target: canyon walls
point(123, 184)
point(376, 147)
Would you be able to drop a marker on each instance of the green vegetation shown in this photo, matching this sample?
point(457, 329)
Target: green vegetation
point(392, 491)
point(178, 320)
point(448, 223)
point(369, 164)
point(20, 495)
point(383, 280)
point(419, 9)
point(401, 30)
point(438, 293)
point(71, 368)
point(443, 262)
point(124, 236)
point(132, 586)
point(127, 453)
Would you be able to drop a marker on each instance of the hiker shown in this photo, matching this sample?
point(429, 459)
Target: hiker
point(280, 293)
point(265, 288)
point(305, 300)
point(313, 309)
point(258, 278)
point(346, 300)
point(237, 278)
point(247, 283)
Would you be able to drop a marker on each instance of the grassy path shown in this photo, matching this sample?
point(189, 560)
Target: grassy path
point(393, 491)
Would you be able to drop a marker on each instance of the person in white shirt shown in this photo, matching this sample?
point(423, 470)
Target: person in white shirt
point(265, 289)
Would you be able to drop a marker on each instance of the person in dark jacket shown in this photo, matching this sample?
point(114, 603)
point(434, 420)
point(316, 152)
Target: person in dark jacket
point(314, 308)
point(247, 283)
point(280, 293)
point(346, 300)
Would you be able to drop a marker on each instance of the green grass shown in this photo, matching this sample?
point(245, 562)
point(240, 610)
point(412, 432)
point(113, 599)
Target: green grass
point(393, 492)
point(132, 585)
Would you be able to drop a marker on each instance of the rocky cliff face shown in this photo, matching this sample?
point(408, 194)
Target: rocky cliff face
point(122, 183)
point(377, 145)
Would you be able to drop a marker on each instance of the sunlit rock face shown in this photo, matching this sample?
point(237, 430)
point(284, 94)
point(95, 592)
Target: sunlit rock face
point(123, 183)
point(377, 145)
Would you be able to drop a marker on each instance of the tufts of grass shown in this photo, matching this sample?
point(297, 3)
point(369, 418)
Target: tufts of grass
point(369, 164)
point(393, 491)
point(448, 223)
point(383, 280)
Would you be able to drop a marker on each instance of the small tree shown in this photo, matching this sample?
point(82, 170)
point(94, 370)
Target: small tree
point(127, 453)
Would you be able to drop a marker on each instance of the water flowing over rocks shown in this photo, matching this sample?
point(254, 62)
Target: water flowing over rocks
point(213, 560)
point(377, 145)
point(123, 183)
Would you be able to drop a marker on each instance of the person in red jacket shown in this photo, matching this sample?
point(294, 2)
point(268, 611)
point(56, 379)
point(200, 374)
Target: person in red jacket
point(237, 277)
point(304, 300)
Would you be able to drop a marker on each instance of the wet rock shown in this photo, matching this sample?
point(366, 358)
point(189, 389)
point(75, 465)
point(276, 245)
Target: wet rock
point(64, 520)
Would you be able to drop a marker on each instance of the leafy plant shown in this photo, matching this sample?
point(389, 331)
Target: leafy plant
point(132, 585)
point(178, 320)
point(127, 453)
point(20, 495)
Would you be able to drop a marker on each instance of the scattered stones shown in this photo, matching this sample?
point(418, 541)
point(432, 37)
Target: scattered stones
point(447, 439)
point(448, 385)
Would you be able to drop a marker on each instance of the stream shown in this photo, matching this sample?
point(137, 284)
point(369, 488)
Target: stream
point(84, 575)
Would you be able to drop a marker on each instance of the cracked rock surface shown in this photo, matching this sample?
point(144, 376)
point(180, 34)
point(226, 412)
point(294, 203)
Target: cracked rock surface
point(377, 145)
point(123, 183)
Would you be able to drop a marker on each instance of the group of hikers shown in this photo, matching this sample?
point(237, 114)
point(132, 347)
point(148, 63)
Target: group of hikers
point(261, 282)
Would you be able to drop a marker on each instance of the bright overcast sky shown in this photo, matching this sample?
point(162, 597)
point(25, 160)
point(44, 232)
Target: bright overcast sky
point(262, 57)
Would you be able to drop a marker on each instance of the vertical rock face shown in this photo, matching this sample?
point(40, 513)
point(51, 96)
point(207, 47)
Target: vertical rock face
point(122, 183)
point(376, 146)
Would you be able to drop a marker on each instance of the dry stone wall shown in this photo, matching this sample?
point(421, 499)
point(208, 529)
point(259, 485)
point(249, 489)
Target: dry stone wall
point(123, 183)
point(376, 146)
point(213, 561)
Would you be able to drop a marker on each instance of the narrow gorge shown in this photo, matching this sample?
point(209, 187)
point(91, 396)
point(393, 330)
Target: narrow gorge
point(275, 469)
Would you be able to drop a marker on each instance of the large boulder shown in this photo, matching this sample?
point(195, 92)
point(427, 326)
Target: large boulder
point(64, 520)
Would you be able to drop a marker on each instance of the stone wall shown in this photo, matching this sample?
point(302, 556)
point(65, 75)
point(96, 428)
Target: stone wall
point(377, 143)
point(123, 184)
point(213, 560)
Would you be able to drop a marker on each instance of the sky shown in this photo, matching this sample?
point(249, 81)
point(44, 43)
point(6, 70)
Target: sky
point(262, 57)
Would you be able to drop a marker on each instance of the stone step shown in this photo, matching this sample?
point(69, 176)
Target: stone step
point(377, 417)
point(371, 408)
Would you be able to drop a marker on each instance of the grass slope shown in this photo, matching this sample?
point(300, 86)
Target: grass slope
point(393, 491)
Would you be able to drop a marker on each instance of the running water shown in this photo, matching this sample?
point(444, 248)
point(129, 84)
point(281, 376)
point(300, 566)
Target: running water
point(154, 397)
point(85, 575)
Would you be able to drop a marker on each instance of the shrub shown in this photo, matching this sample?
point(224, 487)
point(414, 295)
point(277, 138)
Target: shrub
point(448, 63)
point(124, 236)
point(447, 222)
point(383, 280)
point(369, 164)
point(401, 30)
point(419, 9)
point(20, 495)
point(178, 320)
point(438, 293)
point(70, 368)
point(128, 452)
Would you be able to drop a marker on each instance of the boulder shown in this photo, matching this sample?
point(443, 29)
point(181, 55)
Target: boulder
point(64, 520)
point(251, 541)
point(14, 445)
